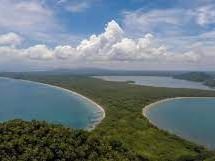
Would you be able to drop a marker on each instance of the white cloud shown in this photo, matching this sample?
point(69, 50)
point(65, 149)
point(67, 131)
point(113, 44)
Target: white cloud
point(169, 22)
point(8, 51)
point(205, 15)
point(111, 46)
point(29, 18)
point(98, 47)
point(11, 38)
point(75, 6)
point(64, 52)
point(79, 7)
point(38, 52)
point(28, 15)
point(180, 30)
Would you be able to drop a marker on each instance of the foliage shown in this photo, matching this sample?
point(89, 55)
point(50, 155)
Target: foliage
point(20, 140)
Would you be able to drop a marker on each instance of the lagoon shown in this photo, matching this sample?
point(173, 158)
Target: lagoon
point(30, 100)
point(157, 81)
point(189, 118)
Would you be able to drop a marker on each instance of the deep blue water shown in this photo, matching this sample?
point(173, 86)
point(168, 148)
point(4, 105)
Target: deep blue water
point(157, 81)
point(27, 101)
point(190, 118)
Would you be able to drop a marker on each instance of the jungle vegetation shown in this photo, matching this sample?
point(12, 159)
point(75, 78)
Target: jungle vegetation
point(34, 140)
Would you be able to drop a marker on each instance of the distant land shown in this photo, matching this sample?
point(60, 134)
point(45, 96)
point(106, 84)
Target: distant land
point(97, 72)
point(194, 76)
point(206, 78)
point(105, 72)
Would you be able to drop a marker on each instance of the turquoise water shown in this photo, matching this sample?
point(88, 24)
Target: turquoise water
point(157, 81)
point(192, 119)
point(27, 101)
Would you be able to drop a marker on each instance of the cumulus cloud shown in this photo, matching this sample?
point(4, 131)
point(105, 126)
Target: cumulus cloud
point(38, 52)
point(178, 30)
point(10, 39)
point(110, 46)
point(99, 47)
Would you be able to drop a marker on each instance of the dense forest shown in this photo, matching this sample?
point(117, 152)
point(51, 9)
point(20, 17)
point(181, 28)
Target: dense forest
point(124, 123)
point(22, 141)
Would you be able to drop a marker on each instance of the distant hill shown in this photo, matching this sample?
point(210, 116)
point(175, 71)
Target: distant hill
point(205, 78)
point(194, 76)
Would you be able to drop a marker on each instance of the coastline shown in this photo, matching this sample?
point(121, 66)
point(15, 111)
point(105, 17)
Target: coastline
point(100, 108)
point(147, 107)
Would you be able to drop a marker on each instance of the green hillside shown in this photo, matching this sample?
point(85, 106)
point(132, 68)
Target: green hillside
point(194, 76)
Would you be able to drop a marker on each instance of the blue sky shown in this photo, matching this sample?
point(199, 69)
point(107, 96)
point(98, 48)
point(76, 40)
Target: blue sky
point(89, 16)
point(94, 14)
point(125, 34)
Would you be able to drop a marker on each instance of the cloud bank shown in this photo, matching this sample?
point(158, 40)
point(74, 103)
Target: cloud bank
point(110, 46)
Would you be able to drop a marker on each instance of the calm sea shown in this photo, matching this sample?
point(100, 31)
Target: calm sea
point(27, 101)
point(157, 81)
point(190, 118)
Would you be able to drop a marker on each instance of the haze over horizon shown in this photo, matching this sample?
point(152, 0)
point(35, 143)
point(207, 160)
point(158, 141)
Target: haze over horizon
point(136, 35)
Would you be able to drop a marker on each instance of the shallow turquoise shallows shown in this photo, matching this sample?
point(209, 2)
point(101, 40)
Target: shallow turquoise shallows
point(190, 118)
point(28, 100)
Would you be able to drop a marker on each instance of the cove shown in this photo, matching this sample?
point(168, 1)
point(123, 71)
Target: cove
point(190, 118)
point(30, 100)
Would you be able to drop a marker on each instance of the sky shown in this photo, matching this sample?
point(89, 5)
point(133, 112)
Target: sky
point(122, 34)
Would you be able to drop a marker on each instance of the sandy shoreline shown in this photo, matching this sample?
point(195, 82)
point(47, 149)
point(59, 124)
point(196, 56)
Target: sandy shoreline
point(92, 126)
point(147, 107)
